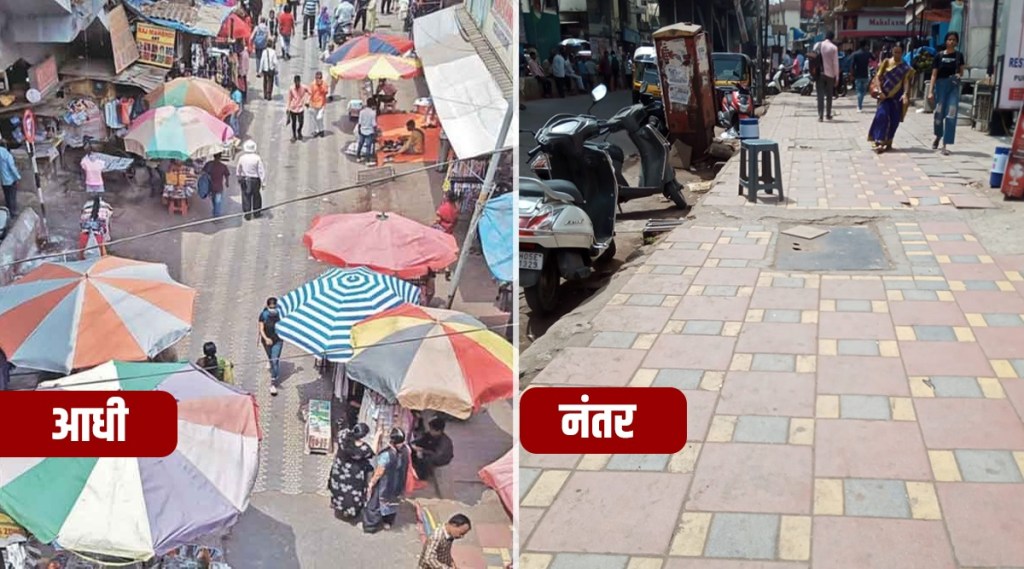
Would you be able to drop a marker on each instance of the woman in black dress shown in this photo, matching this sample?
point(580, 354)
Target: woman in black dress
point(349, 473)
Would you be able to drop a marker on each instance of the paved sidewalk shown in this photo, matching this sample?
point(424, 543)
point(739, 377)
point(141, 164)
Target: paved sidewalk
point(838, 420)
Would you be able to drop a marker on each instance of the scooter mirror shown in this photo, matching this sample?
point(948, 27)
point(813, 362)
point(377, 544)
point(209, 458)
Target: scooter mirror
point(599, 92)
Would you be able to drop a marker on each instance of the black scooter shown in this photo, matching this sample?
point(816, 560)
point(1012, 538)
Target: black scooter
point(578, 161)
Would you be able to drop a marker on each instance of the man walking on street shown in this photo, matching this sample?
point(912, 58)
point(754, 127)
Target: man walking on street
point(271, 342)
point(558, 72)
point(309, 10)
point(367, 131)
point(9, 176)
point(286, 23)
point(251, 174)
point(828, 72)
point(298, 100)
point(267, 68)
point(260, 38)
point(219, 175)
point(859, 68)
point(318, 103)
point(437, 551)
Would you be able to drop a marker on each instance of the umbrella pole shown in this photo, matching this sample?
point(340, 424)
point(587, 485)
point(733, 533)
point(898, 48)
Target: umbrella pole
point(485, 194)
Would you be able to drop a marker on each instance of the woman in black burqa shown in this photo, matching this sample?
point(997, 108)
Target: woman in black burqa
point(350, 472)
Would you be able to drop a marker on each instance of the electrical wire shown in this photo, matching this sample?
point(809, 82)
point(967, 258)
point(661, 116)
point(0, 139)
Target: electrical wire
point(263, 361)
point(200, 222)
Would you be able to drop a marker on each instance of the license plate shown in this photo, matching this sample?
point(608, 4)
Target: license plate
point(531, 261)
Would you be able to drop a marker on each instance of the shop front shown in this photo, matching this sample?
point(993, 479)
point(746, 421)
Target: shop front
point(872, 23)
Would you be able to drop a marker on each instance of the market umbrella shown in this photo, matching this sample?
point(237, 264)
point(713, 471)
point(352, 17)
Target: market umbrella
point(136, 508)
point(426, 358)
point(66, 316)
point(385, 242)
point(387, 44)
point(319, 315)
point(377, 66)
point(499, 475)
point(235, 28)
point(193, 92)
point(177, 133)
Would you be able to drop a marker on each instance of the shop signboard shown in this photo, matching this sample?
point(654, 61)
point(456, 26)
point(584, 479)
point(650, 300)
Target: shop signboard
point(125, 50)
point(876, 23)
point(1011, 85)
point(811, 9)
point(318, 427)
point(43, 76)
point(502, 12)
point(155, 44)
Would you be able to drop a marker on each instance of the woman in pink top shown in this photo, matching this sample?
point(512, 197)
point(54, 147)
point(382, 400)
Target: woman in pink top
point(93, 166)
point(298, 100)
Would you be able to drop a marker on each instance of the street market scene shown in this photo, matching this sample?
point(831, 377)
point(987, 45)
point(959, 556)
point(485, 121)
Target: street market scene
point(841, 304)
point(296, 218)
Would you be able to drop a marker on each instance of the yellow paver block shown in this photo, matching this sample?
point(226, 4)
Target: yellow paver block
point(741, 362)
point(692, 271)
point(931, 237)
point(618, 299)
point(1004, 369)
point(671, 300)
point(644, 341)
point(674, 327)
point(944, 466)
point(828, 347)
point(905, 333)
point(683, 462)
point(724, 240)
point(827, 305)
point(918, 387)
point(664, 246)
point(827, 407)
point(806, 364)
point(894, 295)
point(902, 409)
point(985, 259)
point(991, 387)
point(593, 462)
point(691, 535)
point(1018, 456)
point(712, 380)
point(755, 315)
point(1005, 286)
point(732, 329)
point(976, 320)
point(712, 263)
point(828, 497)
point(971, 238)
point(945, 295)
point(795, 538)
point(888, 349)
point(764, 280)
point(546, 488)
point(706, 246)
point(745, 291)
point(695, 290)
point(957, 286)
point(924, 503)
point(534, 561)
point(722, 428)
point(809, 317)
point(644, 563)
point(964, 334)
point(942, 259)
point(643, 377)
point(801, 431)
point(879, 306)
point(1013, 276)
point(643, 269)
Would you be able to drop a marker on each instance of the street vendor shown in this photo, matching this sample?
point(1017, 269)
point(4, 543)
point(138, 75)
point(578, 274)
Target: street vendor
point(448, 213)
point(413, 143)
point(385, 94)
point(181, 180)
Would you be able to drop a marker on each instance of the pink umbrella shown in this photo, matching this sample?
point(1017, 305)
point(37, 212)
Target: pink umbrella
point(176, 133)
point(385, 242)
point(498, 475)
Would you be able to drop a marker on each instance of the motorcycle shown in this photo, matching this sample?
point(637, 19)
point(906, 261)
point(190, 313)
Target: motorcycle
point(567, 222)
point(736, 104)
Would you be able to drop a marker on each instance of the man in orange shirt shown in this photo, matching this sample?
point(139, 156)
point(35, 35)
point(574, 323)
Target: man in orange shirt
point(318, 103)
point(286, 25)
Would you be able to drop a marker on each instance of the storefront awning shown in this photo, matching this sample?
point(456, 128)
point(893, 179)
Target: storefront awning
point(468, 99)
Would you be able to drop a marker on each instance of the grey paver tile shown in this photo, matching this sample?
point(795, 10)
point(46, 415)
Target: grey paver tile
point(773, 362)
point(646, 299)
point(721, 290)
point(988, 466)
point(648, 462)
point(864, 407)
point(935, 333)
point(954, 386)
point(588, 561)
point(876, 498)
point(668, 270)
point(613, 340)
point(704, 327)
point(853, 305)
point(1003, 320)
point(780, 315)
point(682, 379)
point(756, 429)
point(857, 348)
point(527, 476)
point(747, 536)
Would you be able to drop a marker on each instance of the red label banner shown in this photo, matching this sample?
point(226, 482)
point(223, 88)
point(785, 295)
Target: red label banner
point(602, 420)
point(56, 423)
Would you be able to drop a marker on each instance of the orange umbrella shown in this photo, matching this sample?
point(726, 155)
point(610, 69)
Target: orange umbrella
point(66, 316)
point(194, 92)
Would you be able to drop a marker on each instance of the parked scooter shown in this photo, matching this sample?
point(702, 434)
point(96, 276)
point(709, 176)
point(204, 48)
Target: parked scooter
point(342, 32)
point(736, 104)
point(567, 222)
point(779, 82)
point(804, 85)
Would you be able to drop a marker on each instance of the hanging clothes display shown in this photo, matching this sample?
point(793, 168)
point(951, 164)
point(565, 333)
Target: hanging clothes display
point(956, 20)
point(380, 415)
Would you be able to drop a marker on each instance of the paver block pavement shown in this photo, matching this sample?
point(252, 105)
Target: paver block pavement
point(988, 466)
point(691, 352)
point(860, 543)
point(639, 319)
point(700, 405)
point(876, 498)
point(841, 325)
point(846, 448)
point(732, 309)
point(750, 536)
point(768, 393)
point(729, 564)
point(984, 522)
point(784, 298)
point(649, 283)
point(945, 358)
point(761, 478)
point(775, 338)
point(970, 424)
point(909, 313)
point(864, 375)
point(591, 366)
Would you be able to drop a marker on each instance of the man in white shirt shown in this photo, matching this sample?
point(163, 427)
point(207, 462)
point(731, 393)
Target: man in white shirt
point(267, 67)
point(251, 175)
point(558, 72)
point(367, 131)
point(828, 53)
point(345, 13)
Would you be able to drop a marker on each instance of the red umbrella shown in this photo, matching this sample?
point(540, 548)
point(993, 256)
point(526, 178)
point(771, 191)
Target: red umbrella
point(235, 27)
point(385, 242)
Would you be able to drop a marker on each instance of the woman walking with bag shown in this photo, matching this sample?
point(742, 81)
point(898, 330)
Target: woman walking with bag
point(945, 91)
point(891, 87)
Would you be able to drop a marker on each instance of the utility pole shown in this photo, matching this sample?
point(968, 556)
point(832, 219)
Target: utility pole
point(485, 194)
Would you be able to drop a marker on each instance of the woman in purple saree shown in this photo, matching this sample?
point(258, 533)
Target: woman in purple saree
point(892, 89)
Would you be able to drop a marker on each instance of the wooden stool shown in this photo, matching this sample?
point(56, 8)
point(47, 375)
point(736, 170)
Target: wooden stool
point(177, 205)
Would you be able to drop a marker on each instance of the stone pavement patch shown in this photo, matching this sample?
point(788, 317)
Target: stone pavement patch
point(978, 520)
point(858, 543)
point(876, 498)
point(842, 249)
point(845, 448)
point(990, 424)
point(761, 478)
point(748, 536)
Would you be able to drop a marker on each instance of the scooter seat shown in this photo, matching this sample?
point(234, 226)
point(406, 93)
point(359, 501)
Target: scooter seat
point(536, 188)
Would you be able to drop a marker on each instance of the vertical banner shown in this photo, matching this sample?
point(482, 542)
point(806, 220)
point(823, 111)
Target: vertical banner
point(155, 44)
point(1011, 86)
point(1013, 179)
point(125, 50)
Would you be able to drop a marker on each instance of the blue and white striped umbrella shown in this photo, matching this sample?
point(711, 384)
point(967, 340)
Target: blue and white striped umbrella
point(319, 315)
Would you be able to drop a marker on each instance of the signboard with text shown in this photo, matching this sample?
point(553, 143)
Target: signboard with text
point(501, 21)
point(155, 45)
point(1011, 86)
point(874, 24)
point(1013, 178)
point(125, 50)
point(43, 76)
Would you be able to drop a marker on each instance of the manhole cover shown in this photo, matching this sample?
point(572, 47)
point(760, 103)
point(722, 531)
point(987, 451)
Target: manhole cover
point(842, 249)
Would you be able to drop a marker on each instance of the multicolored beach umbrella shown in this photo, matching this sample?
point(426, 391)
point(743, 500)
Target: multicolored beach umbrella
point(386, 44)
point(176, 133)
point(135, 508)
point(377, 66)
point(427, 358)
point(194, 92)
point(66, 316)
point(319, 315)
